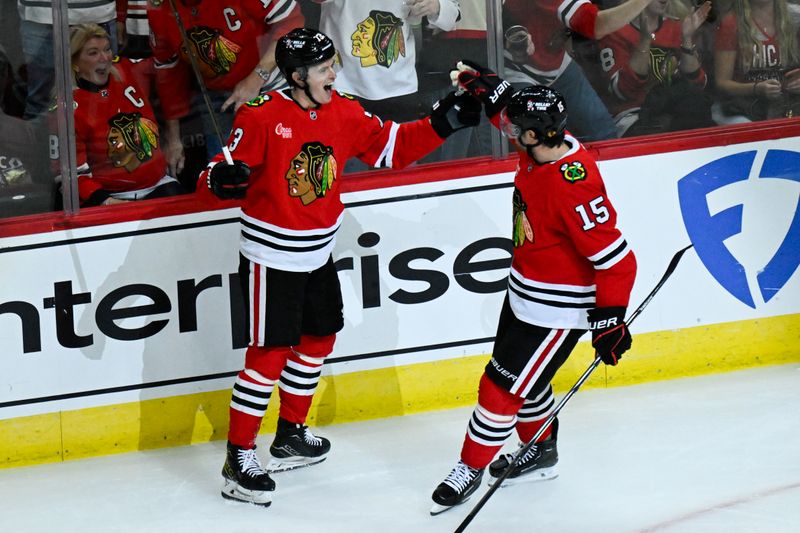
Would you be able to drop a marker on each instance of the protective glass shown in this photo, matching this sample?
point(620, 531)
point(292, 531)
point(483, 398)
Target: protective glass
point(508, 128)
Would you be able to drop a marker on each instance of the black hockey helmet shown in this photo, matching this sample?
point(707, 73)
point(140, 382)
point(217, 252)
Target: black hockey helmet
point(537, 108)
point(302, 48)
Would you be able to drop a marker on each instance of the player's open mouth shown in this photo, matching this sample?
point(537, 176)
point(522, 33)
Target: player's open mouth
point(328, 88)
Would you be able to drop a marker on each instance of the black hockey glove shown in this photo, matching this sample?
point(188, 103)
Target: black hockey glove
point(610, 335)
point(229, 181)
point(455, 112)
point(483, 84)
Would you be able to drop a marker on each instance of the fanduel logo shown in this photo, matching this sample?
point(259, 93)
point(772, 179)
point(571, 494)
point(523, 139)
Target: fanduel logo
point(727, 201)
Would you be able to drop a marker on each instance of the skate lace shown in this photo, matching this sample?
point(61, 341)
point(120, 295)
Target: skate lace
point(530, 455)
point(310, 438)
point(249, 463)
point(460, 477)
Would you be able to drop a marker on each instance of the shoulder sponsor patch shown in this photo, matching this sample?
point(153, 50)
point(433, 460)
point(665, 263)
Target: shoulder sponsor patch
point(573, 172)
point(258, 100)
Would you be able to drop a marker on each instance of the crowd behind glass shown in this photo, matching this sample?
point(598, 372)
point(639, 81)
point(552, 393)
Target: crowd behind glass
point(675, 65)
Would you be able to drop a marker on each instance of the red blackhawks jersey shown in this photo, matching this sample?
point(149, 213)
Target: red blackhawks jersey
point(548, 21)
point(628, 88)
point(766, 49)
point(225, 37)
point(116, 136)
point(569, 255)
point(292, 208)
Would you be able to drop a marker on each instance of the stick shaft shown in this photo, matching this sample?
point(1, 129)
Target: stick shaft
point(200, 81)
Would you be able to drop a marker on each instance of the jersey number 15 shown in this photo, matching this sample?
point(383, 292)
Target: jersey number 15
point(599, 213)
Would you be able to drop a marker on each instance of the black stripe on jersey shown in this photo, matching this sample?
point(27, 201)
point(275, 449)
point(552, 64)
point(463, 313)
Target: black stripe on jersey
point(552, 303)
point(252, 392)
point(567, 10)
point(282, 11)
point(554, 292)
point(623, 246)
point(286, 237)
point(518, 287)
point(284, 248)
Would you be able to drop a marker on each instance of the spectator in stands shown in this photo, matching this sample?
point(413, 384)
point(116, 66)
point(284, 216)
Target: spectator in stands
point(547, 22)
point(378, 49)
point(133, 30)
point(234, 44)
point(441, 50)
point(118, 146)
point(654, 79)
point(378, 43)
point(757, 62)
point(37, 43)
point(22, 158)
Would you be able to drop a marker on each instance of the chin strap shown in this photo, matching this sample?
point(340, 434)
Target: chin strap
point(308, 93)
point(529, 147)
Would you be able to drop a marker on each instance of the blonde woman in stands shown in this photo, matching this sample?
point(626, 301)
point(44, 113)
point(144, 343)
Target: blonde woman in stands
point(757, 63)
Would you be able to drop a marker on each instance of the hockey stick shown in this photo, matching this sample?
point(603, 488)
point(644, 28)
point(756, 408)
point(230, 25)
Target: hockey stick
point(200, 83)
point(524, 449)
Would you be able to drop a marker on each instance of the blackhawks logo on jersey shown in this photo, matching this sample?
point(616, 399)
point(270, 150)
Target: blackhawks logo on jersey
point(311, 172)
point(573, 172)
point(132, 140)
point(378, 39)
point(523, 231)
point(216, 52)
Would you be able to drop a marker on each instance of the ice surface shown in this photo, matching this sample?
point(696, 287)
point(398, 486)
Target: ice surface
point(709, 454)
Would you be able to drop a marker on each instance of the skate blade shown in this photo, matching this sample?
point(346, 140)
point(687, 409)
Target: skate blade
point(232, 491)
point(439, 509)
point(292, 463)
point(539, 475)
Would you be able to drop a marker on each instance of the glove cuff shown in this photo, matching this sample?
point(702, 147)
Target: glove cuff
point(606, 317)
point(441, 126)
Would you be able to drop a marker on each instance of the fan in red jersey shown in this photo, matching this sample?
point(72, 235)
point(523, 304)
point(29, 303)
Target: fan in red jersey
point(234, 44)
point(289, 147)
point(571, 271)
point(117, 141)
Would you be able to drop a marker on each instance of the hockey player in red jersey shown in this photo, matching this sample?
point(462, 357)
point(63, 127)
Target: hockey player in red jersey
point(290, 147)
point(117, 141)
point(572, 271)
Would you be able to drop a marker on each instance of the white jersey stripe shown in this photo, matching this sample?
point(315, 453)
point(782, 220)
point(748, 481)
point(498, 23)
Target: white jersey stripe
point(537, 362)
point(611, 254)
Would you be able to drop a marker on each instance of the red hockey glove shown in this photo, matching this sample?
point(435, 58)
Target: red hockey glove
point(610, 335)
point(483, 84)
point(454, 112)
point(229, 181)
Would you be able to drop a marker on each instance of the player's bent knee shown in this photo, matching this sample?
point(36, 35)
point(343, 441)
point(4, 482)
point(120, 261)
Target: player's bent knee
point(315, 347)
point(268, 362)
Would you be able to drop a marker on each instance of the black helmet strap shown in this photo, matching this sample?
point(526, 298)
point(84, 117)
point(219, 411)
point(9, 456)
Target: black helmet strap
point(305, 87)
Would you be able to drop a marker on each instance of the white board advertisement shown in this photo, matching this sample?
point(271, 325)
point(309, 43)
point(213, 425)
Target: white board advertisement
point(135, 310)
